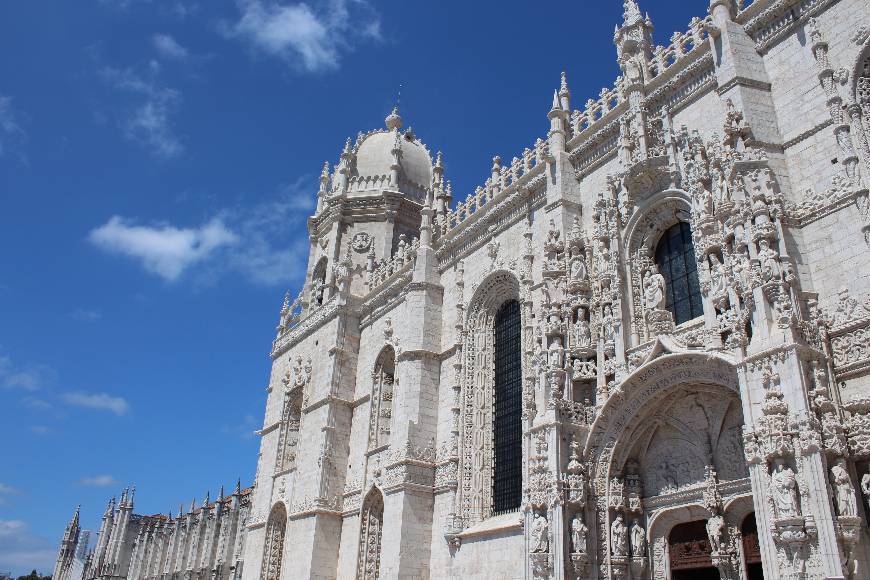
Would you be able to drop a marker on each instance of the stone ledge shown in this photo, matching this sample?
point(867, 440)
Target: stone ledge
point(493, 526)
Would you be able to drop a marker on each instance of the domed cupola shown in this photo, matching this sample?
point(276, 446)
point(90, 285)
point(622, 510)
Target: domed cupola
point(391, 159)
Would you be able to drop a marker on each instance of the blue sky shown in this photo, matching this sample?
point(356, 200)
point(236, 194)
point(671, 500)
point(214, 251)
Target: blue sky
point(158, 160)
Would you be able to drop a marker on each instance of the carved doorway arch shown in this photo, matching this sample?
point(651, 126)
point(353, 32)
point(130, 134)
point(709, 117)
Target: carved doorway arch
point(273, 552)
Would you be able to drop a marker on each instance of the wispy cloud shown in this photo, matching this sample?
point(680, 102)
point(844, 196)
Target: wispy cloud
point(98, 481)
point(27, 377)
point(20, 549)
point(257, 241)
point(162, 249)
point(149, 120)
point(85, 315)
point(99, 401)
point(5, 491)
point(39, 429)
point(309, 39)
point(12, 135)
point(167, 47)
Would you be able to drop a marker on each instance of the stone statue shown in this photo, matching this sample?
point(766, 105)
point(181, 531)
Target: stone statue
point(579, 532)
point(556, 353)
point(618, 537)
point(769, 259)
point(846, 504)
point(783, 490)
point(741, 267)
point(715, 529)
point(638, 539)
point(607, 323)
point(540, 534)
point(577, 265)
point(865, 485)
point(653, 289)
point(582, 333)
point(718, 282)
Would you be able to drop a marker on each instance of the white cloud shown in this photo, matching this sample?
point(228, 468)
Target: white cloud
point(309, 39)
point(163, 249)
point(5, 491)
point(149, 120)
point(85, 315)
point(98, 481)
point(99, 401)
point(11, 134)
point(258, 241)
point(27, 378)
point(21, 550)
point(169, 48)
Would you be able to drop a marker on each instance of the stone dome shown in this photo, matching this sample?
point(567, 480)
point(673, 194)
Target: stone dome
point(374, 154)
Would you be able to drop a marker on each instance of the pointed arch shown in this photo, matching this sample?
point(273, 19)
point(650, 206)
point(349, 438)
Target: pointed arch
point(318, 282)
point(370, 536)
point(383, 383)
point(273, 551)
point(288, 436)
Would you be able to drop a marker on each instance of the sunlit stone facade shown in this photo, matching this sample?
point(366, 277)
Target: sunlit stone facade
point(640, 349)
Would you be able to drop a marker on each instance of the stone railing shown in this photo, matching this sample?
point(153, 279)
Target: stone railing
point(503, 179)
point(682, 45)
point(608, 99)
point(402, 260)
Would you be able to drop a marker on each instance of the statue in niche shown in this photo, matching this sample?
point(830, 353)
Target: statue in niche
point(722, 188)
point(653, 289)
point(577, 266)
point(603, 257)
point(582, 332)
point(715, 530)
point(783, 490)
point(703, 200)
point(638, 539)
point(608, 323)
point(556, 353)
point(579, 531)
point(741, 267)
point(718, 281)
point(769, 259)
point(618, 537)
point(540, 534)
point(845, 492)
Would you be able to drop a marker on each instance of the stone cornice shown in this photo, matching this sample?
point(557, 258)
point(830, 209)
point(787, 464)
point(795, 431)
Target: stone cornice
point(769, 22)
point(739, 81)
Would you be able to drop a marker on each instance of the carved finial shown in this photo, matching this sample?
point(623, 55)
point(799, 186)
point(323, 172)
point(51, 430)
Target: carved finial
point(394, 120)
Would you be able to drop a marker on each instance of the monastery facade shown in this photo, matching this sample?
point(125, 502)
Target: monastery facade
point(640, 349)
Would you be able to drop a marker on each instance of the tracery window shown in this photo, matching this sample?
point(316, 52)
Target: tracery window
point(675, 258)
point(507, 421)
point(274, 549)
point(371, 530)
point(383, 383)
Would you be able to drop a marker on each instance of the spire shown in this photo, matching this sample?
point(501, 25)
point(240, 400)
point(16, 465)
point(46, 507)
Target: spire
point(132, 495)
point(221, 494)
point(565, 93)
point(557, 105)
point(238, 486)
point(394, 120)
point(74, 522)
point(630, 12)
point(205, 500)
point(110, 509)
point(192, 506)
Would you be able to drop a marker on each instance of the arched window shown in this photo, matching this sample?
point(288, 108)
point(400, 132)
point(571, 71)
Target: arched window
point(371, 528)
point(274, 549)
point(675, 258)
point(383, 382)
point(507, 419)
point(318, 283)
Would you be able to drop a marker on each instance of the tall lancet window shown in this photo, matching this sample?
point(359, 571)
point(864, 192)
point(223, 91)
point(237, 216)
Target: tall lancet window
point(675, 258)
point(371, 529)
point(383, 383)
point(490, 453)
point(318, 283)
point(273, 551)
point(507, 473)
